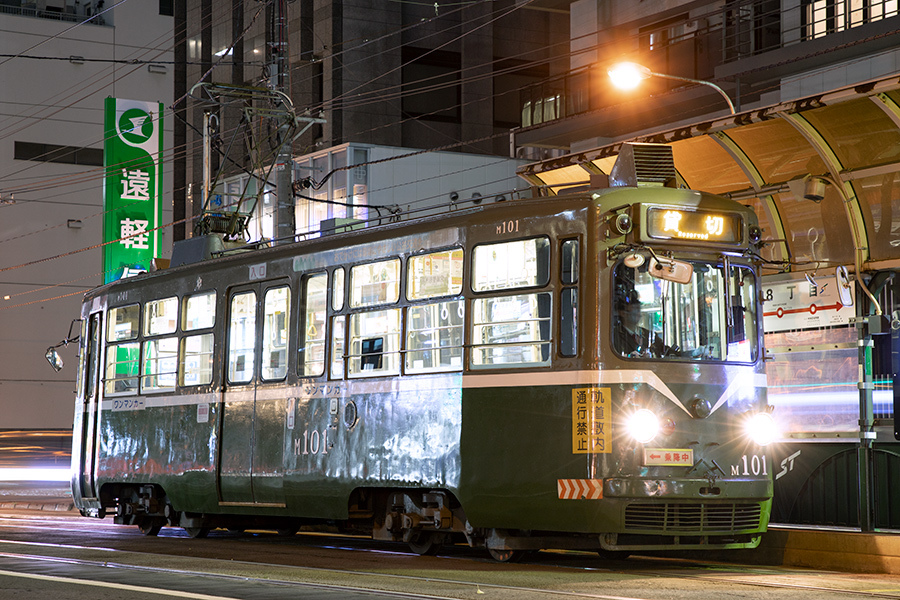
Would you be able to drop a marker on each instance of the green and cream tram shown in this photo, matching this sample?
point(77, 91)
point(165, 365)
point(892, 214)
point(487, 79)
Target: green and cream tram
point(578, 371)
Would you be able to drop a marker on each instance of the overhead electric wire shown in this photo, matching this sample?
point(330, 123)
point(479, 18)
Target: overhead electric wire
point(101, 174)
point(113, 241)
point(97, 79)
point(466, 33)
point(5, 133)
point(458, 143)
point(67, 30)
point(126, 61)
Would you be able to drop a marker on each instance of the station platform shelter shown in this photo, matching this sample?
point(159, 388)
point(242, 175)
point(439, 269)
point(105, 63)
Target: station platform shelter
point(823, 175)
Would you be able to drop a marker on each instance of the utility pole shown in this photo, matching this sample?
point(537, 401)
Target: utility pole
point(284, 164)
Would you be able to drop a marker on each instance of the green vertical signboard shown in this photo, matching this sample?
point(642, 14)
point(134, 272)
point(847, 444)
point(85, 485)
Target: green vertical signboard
point(132, 186)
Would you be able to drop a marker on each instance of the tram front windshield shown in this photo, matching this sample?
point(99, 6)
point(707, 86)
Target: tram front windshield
point(663, 320)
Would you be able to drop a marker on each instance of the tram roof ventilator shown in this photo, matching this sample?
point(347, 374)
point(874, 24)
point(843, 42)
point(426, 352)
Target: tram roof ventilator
point(642, 165)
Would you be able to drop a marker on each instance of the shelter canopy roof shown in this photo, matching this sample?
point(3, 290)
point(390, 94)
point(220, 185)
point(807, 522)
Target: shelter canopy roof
point(763, 158)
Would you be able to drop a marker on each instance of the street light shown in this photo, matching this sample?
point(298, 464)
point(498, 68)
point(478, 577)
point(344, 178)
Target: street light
point(628, 75)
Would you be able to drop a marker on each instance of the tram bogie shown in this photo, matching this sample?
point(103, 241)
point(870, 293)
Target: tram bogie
point(571, 372)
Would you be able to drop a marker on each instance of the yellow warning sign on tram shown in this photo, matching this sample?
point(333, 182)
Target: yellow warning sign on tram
point(591, 421)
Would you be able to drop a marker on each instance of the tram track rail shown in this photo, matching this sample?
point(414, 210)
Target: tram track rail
point(437, 586)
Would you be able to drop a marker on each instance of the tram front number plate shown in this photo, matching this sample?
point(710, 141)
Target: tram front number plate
point(668, 457)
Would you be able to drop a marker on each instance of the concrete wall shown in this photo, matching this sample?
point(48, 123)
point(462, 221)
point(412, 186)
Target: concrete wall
point(423, 180)
point(61, 102)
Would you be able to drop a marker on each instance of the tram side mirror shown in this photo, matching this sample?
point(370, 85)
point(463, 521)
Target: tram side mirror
point(54, 359)
point(670, 269)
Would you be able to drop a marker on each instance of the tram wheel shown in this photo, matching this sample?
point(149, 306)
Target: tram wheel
point(425, 544)
point(150, 528)
point(197, 532)
point(287, 531)
point(506, 556)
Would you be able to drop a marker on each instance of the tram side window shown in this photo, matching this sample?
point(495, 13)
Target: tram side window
point(375, 343)
point(160, 316)
point(242, 337)
point(511, 331)
point(92, 361)
point(434, 337)
point(312, 338)
point(375, 283)
point(276, 317)
point(122, 323)
point(196, 351)
point(436, 274)
point(569, 259)
point(199, 311)
point(337, 346)
point(121, 375)
point(568, 299)
point(160, 356)
point(434, 332)
point(337, 291)
point(196, 359)
point(510, 265)
point(122, 360)
point(160, 364)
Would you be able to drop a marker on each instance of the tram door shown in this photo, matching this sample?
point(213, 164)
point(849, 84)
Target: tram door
point(90, 407)
point(251, 464)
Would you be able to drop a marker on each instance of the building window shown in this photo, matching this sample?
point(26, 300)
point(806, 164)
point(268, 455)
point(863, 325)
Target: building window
point(431, 85)
point(822, 17)
point(70, 155)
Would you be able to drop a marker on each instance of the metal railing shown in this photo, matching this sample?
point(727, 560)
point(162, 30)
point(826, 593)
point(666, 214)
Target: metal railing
point(757, 26)
point(29, 9)
point(737, 31)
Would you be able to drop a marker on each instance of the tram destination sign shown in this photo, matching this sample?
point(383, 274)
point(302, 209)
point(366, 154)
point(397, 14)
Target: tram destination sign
point(696, 225)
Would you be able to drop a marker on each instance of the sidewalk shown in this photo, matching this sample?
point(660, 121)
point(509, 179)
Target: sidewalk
point(36, 495)
point(845, 551)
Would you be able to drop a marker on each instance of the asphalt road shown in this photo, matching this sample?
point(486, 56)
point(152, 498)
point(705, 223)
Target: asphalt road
point(59, 555)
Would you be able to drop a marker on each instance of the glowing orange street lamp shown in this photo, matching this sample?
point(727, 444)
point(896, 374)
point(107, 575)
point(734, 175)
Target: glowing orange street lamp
point(628, 75)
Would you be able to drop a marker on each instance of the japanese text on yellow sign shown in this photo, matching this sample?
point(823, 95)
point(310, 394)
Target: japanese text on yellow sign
point(591, 420)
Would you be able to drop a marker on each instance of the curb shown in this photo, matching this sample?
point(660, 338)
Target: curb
point(42, 506)
point(852, 552)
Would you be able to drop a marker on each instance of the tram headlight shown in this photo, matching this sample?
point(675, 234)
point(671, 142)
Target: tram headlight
point(761, 428)
point(643, 425)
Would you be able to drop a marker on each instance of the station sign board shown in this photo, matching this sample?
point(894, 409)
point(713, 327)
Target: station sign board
point(802, 304)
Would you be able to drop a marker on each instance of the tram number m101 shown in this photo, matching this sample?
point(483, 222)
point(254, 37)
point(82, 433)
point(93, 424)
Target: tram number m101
point(754, 464)
point(312, 442)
